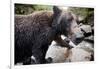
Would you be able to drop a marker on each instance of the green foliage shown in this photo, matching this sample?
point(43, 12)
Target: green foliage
point(86, 13)
point(27, 8)
point(41, 7)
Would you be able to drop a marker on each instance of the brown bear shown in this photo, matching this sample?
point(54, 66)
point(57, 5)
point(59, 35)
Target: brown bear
point(35, 32)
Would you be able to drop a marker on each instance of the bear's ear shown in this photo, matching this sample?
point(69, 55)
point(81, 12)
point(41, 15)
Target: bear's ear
point(56, 10)
point(56, 17)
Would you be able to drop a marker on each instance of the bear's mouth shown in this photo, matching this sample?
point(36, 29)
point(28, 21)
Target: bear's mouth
point(77, 40)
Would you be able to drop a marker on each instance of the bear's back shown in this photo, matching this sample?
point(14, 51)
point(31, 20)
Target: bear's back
point(43, 18)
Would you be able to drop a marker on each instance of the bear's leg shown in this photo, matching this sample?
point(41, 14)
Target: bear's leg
point(40, 53)
point(29, 60)
point(40, 58)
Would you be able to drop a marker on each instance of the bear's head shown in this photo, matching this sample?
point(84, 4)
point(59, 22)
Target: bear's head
point(65, 23)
